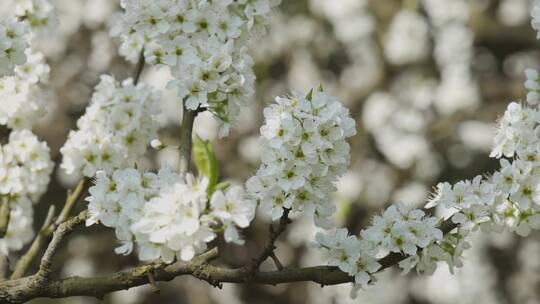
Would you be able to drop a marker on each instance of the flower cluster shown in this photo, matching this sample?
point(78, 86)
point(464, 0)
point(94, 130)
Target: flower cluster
point(25, 169)
point(204, 44)
point(25, 99)
point(396, 230)
point(166, 215)
point(13, 43)
point(509, 199)
point(38, 14)
point(305, 152)
point(516, 131)
point(20, 20)
point(115, 130)
point(20, 228)
point(25, 166)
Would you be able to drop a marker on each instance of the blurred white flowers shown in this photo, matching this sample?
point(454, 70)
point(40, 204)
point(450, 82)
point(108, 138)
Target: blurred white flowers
point(407, 40)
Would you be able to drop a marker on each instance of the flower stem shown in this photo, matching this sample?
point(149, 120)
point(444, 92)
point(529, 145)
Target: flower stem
point(186, 139)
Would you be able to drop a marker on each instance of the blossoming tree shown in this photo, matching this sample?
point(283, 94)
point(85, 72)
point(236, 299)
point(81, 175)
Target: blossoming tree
point(171, 218)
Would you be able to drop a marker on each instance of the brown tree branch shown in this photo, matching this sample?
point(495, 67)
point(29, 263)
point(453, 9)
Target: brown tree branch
point(186, 133)
point(4, 215)
point(39, 242)
point(59, 234)
point(18, 291)
point(268, 250)
point(139, 68)
point(46, 231)
point(71, 200)
point(4, 267)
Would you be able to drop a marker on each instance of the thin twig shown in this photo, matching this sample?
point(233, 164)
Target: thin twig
point(59, 234)
point(4, 215)
point(139, 68)
point(46, 231)
point(4, 267)
point(152, 281)
point(71, 200)
point(186, 134)
point(270, 246)
point(39, 242)
point(277, 262)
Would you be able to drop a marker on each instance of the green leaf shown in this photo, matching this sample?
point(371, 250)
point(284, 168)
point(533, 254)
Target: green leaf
point(205, 160)
point(344, 210)
point(222, 186)
point(309, 95)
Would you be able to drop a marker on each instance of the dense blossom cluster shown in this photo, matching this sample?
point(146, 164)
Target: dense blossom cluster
point(25, 168)
point(40, 15)
point(25, 164)
point(13, 43)
point(396, 230)
point(19, 21)
point(166, 215)
point(25, 99)
point(304, 152)
point(115, 130)
point(204, 44)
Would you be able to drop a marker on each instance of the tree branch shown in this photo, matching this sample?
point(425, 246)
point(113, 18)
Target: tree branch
point(139, 68)
point(18, 291)
point(59, 234)
point(71, 200)
point(46, 231)
point(188, 117)
point(268, 250)
point(4, 215)
point(39, 242)
point(4, 267)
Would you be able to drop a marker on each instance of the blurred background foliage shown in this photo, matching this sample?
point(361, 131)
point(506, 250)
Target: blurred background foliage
point(425, 80)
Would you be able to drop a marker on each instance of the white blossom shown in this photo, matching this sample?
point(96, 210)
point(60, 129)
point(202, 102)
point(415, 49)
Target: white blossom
point(13, 43)
point(204, 45)
point(233, 210)
point(25, 169)
point(25, 98)
point(165, 215)
point(114, 132)
point(305, 152)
